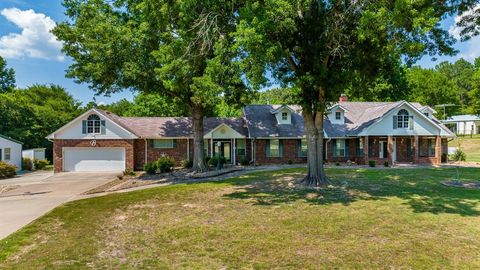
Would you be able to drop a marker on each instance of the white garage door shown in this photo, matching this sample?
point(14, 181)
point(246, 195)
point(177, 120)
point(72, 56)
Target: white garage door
point(87, 159)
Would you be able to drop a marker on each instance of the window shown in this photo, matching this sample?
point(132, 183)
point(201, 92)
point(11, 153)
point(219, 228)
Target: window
point(241, 147)
point(273, 148)
point(431, 147)
point(339, 148)
point(302, 148)
point(284, 116)
point(205, 147)
point(338, 115)
point(7, 154)
point(360, 147)
point(93, 124)
point(402, 119)
point(426, 114)
point(163, 144)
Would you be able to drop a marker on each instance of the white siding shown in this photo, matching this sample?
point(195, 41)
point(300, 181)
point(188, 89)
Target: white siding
point(74, 131)
point(422, 126)
point(333, 119)
point(15, 152)
point(223, 132)
point(34, 154)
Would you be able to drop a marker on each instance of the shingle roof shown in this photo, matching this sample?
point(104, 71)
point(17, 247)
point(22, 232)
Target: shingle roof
point(172, 127)
point(10, 139)
point(262, 123)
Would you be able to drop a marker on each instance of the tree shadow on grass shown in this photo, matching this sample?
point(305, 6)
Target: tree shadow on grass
point(419, 188)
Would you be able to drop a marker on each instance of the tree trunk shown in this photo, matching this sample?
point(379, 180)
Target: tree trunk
point(319, 118)
point(199, 163)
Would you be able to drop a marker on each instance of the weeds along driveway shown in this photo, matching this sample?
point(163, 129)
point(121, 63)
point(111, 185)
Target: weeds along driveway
point(30, 200)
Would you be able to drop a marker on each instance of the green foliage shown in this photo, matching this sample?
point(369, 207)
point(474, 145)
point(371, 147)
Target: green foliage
point(385, 164)
point(7, 77)
point(277, 96)
point(187, 163)
point(150, 168)
point(31, 114)
point(40, 164)
point(214, 160)
point(27, 164)
point(165, 164)
point(459, 155)
point(244, 161)
point(7, 170)
point(371, 163)
point(128, 172)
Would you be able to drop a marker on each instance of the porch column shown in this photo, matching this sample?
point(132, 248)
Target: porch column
point(416, 146)
point(211, 147)
point(365, 149)
point(390, 149)
point(234, 152)
point(438, 150)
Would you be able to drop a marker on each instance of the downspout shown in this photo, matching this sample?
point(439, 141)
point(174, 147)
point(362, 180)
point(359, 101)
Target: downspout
point(252, 142)
point(146, 151)
point(188, 148)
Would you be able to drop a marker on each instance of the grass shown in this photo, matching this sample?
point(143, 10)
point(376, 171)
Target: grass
point(471, 146)
point(369, 219)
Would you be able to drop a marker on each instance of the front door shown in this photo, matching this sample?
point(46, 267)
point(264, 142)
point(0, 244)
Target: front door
point(383, 153)
point(225, 150)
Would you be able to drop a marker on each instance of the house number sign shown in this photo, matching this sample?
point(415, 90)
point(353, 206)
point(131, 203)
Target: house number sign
point(93, 142)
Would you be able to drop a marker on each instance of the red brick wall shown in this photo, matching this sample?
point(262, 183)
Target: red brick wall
point(289, 153)
point(351, 155)
point(59, 144)
point(179, 152)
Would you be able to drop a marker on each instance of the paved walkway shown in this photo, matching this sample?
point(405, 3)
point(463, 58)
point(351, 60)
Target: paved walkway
point(39, 195)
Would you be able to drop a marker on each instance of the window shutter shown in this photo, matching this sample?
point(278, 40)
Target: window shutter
point(152, 143)
point(280, 147)
point(174, 143)
point(347, 148)
point(103, 130)
point(334, 147)
point(410, 122)
point(84, 127)
point(395, 122)
point(267, 150)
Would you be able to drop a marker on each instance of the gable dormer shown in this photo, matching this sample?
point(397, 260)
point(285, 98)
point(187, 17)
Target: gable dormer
point(283, 114)
point(337, 114)
point(428, 111)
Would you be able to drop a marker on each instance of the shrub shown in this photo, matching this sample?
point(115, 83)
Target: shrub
point(129, 172)
point(444, 157)
point(290, 162)
point(337, 163)
point(385, 164)
point(207, 159)
point(7, 170)
point(150, 168)
point(213, 161)
point(244, 161)
point(459, 155)
point(40, 164)
point(187, 163)
point(165, 164)
point(27, 164)
point(371, 163)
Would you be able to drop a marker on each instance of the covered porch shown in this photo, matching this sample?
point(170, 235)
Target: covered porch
point(226, 142)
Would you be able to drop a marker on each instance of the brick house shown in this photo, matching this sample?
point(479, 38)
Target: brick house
point(393, 132)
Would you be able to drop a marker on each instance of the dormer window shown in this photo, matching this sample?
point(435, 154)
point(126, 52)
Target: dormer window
point(427, 114)
point(93, 124)
point(338, 115)
point(284, 116)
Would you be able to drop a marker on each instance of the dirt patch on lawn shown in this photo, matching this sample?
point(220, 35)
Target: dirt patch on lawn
point(7, 188)
point(473, 185)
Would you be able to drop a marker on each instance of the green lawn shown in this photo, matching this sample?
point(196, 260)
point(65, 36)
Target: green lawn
point(471, 146)
point(382, 218)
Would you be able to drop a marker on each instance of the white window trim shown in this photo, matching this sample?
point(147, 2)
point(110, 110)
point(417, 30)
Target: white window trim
point(284, 116)
point(338, 115)
point(278, 148)
point(9, 153)
point(337, 148)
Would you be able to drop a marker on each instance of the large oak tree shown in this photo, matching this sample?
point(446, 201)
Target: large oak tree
point(176, 48)
point(323, 46)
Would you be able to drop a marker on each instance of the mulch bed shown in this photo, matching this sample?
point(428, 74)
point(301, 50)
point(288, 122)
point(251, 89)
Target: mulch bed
point(461, 184)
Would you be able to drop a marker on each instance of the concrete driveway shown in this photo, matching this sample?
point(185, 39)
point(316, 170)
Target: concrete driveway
point(36, 196)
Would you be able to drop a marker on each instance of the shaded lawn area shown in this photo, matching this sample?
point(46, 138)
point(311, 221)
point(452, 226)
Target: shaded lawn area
point(371, 218)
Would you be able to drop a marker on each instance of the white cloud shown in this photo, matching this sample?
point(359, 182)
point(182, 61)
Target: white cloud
point(472, 51)
point(35, 40)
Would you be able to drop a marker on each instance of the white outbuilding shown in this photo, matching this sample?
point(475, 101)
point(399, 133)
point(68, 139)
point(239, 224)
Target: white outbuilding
point(34, 154)
point(11, 151)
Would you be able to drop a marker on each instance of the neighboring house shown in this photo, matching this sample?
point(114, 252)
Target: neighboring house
point(356, 131)
point(34, 154)
point(463, 124)
point(11, 151)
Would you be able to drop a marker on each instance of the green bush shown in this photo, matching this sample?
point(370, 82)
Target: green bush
point(187, 163)
point(27, 164)
point(213, 161)
point(207, 159)
point(150, 168)
point(7, 170)
point(40, 164)
point(444, 157)
point(385, 164)
point(337, 163)
point(244, 161)
point(459, 155)
point(165, 164)
point(129, 172)
point(290, 162)
point(371, 163)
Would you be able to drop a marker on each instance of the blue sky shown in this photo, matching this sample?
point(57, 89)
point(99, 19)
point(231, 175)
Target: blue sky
point(29, 49)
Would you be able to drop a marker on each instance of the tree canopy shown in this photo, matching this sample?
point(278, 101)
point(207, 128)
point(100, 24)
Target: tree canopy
point(7, 77)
